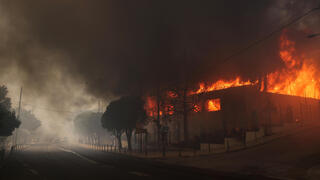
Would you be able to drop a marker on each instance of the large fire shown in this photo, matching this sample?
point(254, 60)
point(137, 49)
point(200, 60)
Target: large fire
point(221, 84)
point(297, 78)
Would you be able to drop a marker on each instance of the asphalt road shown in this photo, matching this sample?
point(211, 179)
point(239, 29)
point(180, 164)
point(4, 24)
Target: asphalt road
point(295, 156)
point(53, 162)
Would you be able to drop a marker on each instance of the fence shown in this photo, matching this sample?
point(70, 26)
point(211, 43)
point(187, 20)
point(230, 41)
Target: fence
point(252, 138)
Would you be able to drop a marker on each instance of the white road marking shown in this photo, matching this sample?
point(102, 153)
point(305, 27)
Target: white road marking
point(138, 173)
point(82, 157)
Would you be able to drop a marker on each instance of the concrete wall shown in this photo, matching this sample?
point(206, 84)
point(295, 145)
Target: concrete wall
point(254, 135)
point(211, 147)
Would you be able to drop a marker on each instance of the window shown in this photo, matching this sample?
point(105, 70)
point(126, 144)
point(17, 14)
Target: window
point(213, 105)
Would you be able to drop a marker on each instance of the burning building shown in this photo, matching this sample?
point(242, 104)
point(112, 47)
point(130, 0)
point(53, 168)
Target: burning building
point(230, 108)
point(234, 111)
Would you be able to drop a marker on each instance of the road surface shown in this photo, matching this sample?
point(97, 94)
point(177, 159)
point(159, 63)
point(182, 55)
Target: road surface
point(296, 156)
point(54, 162)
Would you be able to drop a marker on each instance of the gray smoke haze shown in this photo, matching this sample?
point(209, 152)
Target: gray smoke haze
point(116, 47)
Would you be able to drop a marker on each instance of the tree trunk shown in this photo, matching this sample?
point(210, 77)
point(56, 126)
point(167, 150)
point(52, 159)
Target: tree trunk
point(158, 117)
point(119, 141)
point(129, 134)
point(185, 116)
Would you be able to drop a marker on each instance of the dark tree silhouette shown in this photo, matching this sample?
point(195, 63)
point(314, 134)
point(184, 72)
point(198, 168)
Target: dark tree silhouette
point(8, 120)
point(122, 116)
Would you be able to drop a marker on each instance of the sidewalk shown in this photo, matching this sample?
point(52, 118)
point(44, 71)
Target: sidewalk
point(291, 155)
point(288, 155)
point(220, 149)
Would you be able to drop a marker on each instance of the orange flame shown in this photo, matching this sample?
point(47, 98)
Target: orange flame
point(214, 105)
point(298, 78)
point(151, 108)
point(222, 84)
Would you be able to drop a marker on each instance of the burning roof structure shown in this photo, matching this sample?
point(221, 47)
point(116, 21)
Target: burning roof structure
point(287, 95)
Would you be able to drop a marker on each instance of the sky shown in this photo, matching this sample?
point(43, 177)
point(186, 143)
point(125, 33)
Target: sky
point(67, 55)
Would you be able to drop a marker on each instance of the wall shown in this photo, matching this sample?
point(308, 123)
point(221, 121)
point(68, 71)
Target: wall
point(242, 109)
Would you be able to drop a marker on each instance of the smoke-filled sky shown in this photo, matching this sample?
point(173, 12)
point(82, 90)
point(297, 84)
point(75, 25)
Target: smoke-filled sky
point(67, 54)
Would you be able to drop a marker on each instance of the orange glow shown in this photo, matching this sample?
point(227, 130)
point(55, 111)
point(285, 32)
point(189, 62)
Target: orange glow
point(298, 78)
point(222, 84)
point(169, 109)
point(151, 108)
point(196, 108)
point(172, 94)
point(214, 105)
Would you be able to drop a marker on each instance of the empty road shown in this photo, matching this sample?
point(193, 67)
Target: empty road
point(53, 162)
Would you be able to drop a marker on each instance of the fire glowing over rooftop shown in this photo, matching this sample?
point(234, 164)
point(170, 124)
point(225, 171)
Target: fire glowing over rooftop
point(222, 84)
point(297, 78)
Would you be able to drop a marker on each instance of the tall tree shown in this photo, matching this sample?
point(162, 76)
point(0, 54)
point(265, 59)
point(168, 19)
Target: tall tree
point(8, 120)
point(122, 116)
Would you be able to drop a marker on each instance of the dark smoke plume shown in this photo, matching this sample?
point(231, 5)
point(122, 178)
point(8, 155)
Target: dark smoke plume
point(119, 47)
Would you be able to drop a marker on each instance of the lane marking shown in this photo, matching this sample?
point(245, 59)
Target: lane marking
point(138, 173)
point(82, 157)
point(103, 165)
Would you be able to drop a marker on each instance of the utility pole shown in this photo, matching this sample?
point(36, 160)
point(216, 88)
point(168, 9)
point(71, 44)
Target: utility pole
point(18, 117)
point(99, 106)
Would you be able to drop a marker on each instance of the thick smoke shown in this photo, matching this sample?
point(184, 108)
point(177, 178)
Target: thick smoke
point(116, 47)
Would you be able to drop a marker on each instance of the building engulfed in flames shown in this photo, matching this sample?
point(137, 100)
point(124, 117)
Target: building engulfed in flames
point(227, 107)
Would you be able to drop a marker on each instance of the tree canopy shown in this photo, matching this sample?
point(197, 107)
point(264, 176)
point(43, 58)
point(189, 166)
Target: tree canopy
point(123, 115)
point(8, 119)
